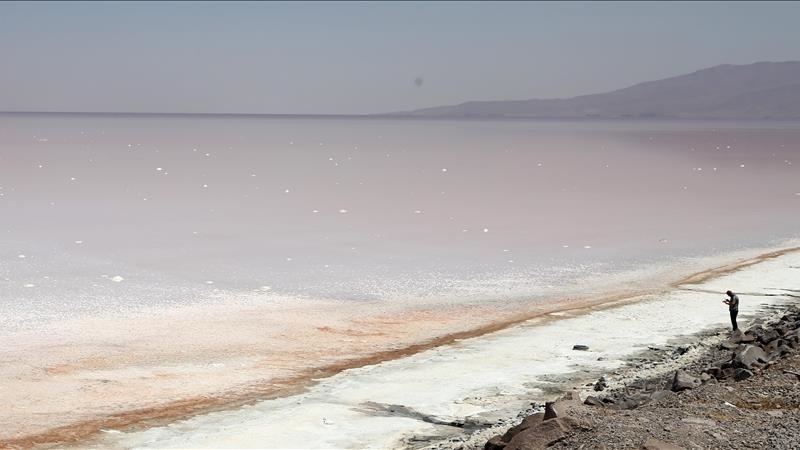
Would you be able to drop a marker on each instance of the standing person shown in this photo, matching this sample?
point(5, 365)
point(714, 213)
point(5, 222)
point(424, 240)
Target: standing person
point(733, 307)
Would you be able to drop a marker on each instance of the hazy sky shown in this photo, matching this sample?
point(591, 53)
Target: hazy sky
point(364, 57)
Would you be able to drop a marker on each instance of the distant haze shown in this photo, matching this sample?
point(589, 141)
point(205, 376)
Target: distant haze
point(359, 58)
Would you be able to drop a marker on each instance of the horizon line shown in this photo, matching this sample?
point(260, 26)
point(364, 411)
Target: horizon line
point(172, 113)
point(380, 116)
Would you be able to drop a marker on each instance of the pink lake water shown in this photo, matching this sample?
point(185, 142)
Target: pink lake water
point(118, 213)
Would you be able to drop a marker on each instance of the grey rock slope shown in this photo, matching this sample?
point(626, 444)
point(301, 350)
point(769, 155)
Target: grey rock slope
point(764, 90)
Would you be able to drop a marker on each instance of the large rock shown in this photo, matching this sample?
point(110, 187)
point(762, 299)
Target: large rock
point(715, 372)
point(768, 336)
point(742, 374)
point(743, 338)
point(780, 352)
point(792, 337)
point(495, 443)
point(773, 345)
point(542, 436)
point(749, 357)
point(682, 381)
point(528, 422)
point(562, 406)
point(550, 411)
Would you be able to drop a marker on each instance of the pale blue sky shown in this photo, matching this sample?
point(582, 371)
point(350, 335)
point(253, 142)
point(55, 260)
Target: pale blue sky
point(363, 57)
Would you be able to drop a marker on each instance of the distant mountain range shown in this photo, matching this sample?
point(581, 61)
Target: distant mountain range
point(763, 90)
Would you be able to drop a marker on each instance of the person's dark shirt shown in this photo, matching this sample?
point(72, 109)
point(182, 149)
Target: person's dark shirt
point(733, 304)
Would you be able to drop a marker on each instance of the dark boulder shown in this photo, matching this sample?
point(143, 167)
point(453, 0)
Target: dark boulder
point(600, 385)
point(715, 372)
point(550, 411)
point(682, 381)
point(543, 435)
point(742, 374)
point(780, 352)
point(792, 337)
point(495, 443)
point(529, 421)
point(768, 336)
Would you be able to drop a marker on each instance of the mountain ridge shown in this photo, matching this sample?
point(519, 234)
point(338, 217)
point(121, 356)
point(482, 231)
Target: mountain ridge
point(761, 90)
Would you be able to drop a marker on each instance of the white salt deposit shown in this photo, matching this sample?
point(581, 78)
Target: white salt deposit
point(472, 378)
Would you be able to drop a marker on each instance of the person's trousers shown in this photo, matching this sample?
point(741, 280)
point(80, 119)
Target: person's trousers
point(734, 313)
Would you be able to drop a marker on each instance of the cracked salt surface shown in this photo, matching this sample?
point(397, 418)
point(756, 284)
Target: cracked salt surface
point(479, 378)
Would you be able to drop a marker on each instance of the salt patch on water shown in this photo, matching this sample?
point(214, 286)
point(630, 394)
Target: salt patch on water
point(472, 377)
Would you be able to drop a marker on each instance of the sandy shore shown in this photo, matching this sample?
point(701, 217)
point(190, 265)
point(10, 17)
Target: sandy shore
point(122, 379)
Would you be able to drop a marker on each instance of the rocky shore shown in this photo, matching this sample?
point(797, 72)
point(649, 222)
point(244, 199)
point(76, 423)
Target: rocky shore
point(723, 391)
